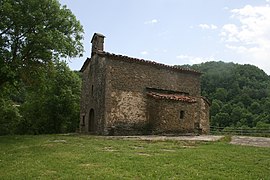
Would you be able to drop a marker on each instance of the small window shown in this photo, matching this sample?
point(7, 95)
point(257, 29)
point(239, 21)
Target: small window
point(83, 120)
point(182, 114)
point(92, 91)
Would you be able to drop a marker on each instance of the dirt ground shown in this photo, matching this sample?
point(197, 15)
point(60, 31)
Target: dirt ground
point(164, 138)
point(238, 140)
point(251, 141)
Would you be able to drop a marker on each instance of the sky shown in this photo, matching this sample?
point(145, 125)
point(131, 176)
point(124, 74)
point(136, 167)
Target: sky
point(177, 32)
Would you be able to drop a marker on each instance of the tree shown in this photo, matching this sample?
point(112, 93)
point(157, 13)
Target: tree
point(215, 107)
point(53, 106)
point(221, 119)
point(9, 117)
point(255, 108)
point(221, 94)
point(266, 106)
point(33, 34)
point(227, 108)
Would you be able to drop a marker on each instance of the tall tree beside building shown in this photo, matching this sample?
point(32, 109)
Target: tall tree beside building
point(36, 90)
point(33, 34)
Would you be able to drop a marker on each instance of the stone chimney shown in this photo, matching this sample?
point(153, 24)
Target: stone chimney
point(97, 42)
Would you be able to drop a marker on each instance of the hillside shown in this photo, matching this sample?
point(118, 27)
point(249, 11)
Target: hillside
point(240, 94)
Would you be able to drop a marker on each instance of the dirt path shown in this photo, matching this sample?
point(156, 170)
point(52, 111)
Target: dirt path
point(238, 140)
point(164, 138)
point(251, 141)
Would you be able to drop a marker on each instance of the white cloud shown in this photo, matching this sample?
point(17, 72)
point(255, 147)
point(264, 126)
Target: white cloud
point(229, 33)
point(153, 21)
point(208, 26)
point(144, 53)
point(194, 59)
point(250, 38)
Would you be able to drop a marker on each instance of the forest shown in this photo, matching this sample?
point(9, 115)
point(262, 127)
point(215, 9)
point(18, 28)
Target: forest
point(39, 94)
point(239, 94)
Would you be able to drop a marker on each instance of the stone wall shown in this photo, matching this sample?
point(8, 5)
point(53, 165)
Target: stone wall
point(204, 117)
point(93, 96)
point(129, 110)
point(165, 116)
point(127, 106)
point(132, 76)
point(84, 102)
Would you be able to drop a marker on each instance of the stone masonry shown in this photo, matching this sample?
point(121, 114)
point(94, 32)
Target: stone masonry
point(128, 96)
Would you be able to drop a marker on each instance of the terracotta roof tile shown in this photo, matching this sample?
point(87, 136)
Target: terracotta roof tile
point(148, 62)
point(175, 97)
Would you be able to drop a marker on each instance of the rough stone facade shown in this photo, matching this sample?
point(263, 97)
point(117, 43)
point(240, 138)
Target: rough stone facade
point(127, 96)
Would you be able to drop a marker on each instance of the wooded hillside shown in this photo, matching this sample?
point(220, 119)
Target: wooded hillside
point(240, 94)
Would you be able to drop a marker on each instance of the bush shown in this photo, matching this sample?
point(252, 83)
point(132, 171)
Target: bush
point(9, 117)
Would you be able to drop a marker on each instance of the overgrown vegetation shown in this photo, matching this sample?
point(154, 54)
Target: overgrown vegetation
point(51, 106)
point(38, 92)
point(88, 157)
point(240, 95)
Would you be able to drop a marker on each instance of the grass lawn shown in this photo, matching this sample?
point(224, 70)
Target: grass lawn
point(92, 157)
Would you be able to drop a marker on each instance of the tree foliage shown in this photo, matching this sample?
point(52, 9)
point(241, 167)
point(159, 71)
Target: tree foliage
point(10, 117)
point(52, 106)
point(34, 33)
point(38, 92)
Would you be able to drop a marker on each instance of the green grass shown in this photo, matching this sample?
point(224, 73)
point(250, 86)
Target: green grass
point(90, 157)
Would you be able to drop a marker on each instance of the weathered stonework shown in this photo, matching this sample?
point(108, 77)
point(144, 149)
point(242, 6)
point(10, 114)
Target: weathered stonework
point(123, 95)
point(204, 117)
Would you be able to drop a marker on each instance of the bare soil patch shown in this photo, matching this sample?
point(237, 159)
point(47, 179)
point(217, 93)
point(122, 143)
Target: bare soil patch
point(165, 138)
point(251, 141)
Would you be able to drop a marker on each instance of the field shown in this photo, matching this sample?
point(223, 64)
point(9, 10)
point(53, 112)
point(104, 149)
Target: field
point(93, 157)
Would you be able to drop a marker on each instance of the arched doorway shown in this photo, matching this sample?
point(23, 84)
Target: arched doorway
point(91, 123)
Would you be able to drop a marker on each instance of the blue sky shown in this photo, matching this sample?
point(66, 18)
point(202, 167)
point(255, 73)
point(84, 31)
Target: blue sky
point(177, 32)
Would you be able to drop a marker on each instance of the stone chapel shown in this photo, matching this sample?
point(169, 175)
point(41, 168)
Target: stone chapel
point(122, 95)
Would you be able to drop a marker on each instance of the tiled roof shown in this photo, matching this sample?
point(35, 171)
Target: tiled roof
point(175, 97)
point(147, 62)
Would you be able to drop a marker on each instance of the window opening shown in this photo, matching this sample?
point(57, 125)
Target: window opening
point(91, 123)
point(92, 90)
point(182, 114)
point(83, 120)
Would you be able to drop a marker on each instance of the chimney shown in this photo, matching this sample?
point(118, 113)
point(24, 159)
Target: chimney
point(97, 42)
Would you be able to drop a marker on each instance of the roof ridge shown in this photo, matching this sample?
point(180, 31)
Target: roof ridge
point(150, 62)
point(85, 64)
